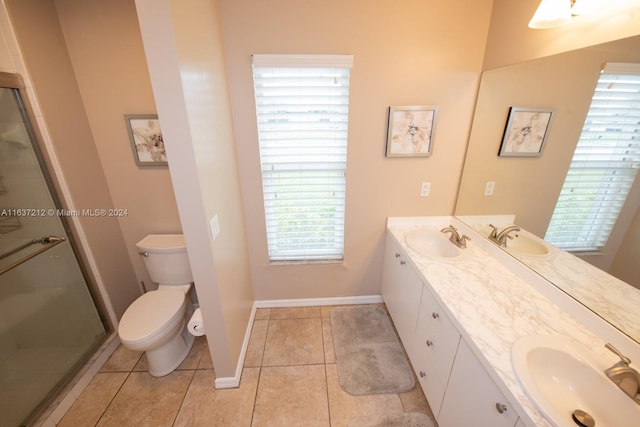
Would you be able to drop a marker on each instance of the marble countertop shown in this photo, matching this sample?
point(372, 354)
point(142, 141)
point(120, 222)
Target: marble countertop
point(493, 306)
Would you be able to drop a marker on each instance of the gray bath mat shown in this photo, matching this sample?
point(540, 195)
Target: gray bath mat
point(406, 419)
point(369, 356)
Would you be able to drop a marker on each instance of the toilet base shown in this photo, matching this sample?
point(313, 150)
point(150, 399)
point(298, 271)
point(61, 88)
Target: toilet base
point(166, 358)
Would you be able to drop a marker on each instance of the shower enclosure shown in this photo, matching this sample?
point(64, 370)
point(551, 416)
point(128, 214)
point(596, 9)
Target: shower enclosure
point(49, 323)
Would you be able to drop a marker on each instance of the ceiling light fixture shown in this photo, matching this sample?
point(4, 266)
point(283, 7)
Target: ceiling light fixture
point(551, 13)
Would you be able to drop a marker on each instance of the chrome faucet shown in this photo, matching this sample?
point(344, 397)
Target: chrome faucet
point(624, 376)
point(456, 239)
point(501, 237)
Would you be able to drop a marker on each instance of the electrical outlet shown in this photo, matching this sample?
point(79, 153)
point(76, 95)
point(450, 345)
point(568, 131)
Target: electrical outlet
point(425, 189)
point(489, 187)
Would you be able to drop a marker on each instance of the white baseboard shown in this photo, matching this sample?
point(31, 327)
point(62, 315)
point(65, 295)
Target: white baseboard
point(233, 382)
point(308, 302)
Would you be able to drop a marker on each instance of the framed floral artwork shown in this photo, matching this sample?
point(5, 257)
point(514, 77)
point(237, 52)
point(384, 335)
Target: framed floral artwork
point(410, 131)
point(526, 132)
point(146, 139)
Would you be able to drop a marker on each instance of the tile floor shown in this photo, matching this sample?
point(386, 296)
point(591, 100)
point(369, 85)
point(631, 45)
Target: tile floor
point(289, 379)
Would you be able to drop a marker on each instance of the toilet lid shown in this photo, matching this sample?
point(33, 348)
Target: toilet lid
point(149, 314)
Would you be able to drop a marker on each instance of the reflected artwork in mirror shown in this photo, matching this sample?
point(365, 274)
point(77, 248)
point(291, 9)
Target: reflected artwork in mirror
point(528, 187)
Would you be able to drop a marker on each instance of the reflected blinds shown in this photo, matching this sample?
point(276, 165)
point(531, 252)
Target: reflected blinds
point(604, 165)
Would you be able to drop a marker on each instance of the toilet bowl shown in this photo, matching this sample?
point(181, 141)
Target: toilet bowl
point(156, 322)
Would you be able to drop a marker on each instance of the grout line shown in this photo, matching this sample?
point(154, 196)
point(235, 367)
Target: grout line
point(114, 395)
point(193, 375)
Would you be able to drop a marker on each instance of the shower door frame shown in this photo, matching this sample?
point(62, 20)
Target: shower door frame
point(15, 81)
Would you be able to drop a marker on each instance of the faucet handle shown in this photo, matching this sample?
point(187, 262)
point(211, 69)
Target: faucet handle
point(624, 360)
point(494, 231)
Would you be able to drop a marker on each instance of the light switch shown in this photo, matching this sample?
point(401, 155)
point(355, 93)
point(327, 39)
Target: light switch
point(425, 189)
point(489, 187)
point(214, 225)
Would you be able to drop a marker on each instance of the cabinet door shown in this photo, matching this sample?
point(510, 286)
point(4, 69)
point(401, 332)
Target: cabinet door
point(390, 276)
point(401, 291)
point(472, 398)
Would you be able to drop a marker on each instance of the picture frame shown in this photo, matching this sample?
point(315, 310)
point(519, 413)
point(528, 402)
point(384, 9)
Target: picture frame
point(526, 132)
point(410, 131)
point(146, 139)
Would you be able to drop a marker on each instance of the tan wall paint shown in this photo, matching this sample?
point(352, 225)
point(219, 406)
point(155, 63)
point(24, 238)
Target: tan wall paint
point(406, 52)
point(105, 47)
point(625, 265)
point(184, 52)
point(40, 38)
point(511, 40)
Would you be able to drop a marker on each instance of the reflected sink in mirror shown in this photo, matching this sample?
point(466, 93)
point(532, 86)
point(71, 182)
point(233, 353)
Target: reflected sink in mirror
point(562, 376)
point(434, 244)
point(524, 245)
point(520, 243)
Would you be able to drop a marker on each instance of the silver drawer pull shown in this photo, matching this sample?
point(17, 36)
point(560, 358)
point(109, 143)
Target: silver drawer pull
point(402, 263)
point(397, 255)
point(429, 343)
point(435, 315)
point(423, 374)
point(501, 408)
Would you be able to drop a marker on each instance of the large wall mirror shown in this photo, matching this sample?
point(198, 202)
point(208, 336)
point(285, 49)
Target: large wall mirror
point(528, 187)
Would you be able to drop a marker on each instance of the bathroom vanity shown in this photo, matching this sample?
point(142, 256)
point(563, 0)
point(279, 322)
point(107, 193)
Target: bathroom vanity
point(459, 314)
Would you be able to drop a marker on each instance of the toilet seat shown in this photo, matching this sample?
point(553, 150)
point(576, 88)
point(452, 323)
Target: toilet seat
point(151, 315)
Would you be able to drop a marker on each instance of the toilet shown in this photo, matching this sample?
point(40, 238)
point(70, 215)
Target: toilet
point(156, 322)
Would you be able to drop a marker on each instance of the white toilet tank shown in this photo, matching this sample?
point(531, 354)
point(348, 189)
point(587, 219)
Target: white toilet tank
point(165, 257)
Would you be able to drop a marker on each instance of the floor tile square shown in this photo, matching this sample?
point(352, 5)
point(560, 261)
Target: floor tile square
point(327, 338)
point(294, 342)
point(255, 348)
point(150, 401)
point(205, 406)
point(344, 407)
point(292, 396)
point(122, 360)
point(295, 312)
point(95, 398)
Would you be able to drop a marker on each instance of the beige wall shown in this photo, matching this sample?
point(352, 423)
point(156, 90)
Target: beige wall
point(406, 52)
point(183, 46)
point(625, 265)
point(511, 40)
point(105, 48)
point(64, 123)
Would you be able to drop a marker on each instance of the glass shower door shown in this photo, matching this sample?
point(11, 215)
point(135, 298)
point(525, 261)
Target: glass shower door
point(49, 323)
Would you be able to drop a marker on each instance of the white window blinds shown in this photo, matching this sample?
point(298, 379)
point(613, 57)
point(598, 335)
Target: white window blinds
point(302, 105)
point(604, 165)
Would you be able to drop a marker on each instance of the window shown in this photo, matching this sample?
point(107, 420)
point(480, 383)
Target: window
point(302, 105)
point(604, 165)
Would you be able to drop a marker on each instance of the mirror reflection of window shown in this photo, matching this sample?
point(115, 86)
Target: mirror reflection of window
point(604, 165)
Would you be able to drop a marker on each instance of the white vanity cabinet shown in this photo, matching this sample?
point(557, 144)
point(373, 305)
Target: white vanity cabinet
point(460, 392)
point(472, 398)
point(401, 291)
point(435, 349)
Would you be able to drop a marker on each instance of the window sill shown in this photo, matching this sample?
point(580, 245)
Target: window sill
point(306, 262)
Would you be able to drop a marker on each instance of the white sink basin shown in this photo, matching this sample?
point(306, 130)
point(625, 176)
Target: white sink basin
point(562, 376)
point(434, 244)
point(527, 246)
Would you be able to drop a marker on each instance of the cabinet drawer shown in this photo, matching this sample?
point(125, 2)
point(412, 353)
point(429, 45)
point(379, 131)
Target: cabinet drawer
point(437, 317)
point(437, 351)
